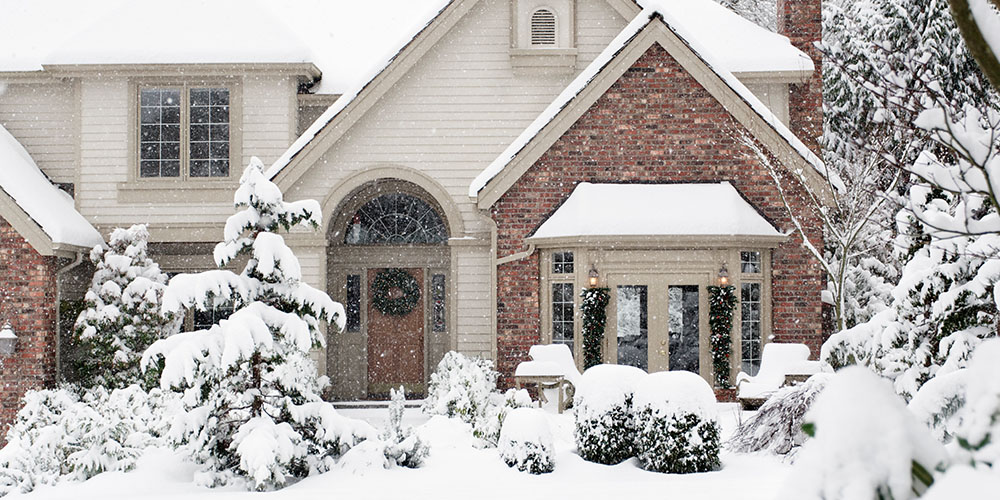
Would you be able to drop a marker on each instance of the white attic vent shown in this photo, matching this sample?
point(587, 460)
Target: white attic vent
point(543, 27)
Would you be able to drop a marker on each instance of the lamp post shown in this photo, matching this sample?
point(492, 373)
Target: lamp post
point(594, 277)
point(723, 275)
point(8, 341)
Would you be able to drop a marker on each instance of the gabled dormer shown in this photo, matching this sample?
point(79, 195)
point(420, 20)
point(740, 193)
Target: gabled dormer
point(543, 36)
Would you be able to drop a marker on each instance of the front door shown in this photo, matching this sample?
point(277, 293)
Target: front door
point(658, 322)
point(395, 343)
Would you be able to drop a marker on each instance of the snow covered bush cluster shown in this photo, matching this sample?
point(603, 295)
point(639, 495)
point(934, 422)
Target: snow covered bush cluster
point(402, 446)
point(777, 426)
point(668, 419)
point(68, 434)
point(605, 430)
point(253, 411)
point(677, 428)
point(465, 388)
point(525, 441)
point(123, 315)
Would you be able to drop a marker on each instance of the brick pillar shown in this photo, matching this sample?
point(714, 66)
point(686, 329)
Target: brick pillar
point(28, 302)
point(802, 22)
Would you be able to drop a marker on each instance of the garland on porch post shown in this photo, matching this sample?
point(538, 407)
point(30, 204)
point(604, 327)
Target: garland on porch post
point(721, 304)
point(595, 318)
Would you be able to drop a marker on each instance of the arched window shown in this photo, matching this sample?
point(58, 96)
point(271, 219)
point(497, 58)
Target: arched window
point(543, 27)
point(396, 219)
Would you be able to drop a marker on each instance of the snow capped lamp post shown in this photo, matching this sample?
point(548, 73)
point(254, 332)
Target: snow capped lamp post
point(8, 341)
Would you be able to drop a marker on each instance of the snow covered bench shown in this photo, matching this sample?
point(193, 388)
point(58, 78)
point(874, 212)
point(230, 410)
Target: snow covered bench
point(551, 367)
point(781, 364)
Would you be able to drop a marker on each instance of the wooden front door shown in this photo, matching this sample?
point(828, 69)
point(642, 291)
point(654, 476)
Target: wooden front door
point(395, 344)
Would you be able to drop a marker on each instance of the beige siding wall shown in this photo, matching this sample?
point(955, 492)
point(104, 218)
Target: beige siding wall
point(42, 116)
point(448, 119)
point(269, 117)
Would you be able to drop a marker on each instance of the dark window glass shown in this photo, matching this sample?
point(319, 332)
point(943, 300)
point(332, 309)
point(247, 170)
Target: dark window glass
point(750, 331)
point(204, 320)
point(396, 219)
point(353, 306)
point(439, 323)
point(159, 144)
point(632, 319)
point(209, 151)
point(750, 262)
point(562, 314)
point(562, 263)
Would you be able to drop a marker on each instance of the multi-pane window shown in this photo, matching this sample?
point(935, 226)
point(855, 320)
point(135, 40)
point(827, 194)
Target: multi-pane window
point(562, 263)
point(562, 314)
point(438, 322)
point(750, 330)
point(204, 320)
point(184, 131)
point(750, 262)
point(352, 307)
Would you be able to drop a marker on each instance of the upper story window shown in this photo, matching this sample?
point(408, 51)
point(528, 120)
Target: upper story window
point(184, 131)
point(750, 262)
point(543, 27)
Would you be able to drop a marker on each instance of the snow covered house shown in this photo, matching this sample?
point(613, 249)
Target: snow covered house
point(499, 156)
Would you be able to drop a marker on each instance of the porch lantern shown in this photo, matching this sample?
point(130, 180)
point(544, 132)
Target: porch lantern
point(594, 276)
point(8, 341)
point(723, 275)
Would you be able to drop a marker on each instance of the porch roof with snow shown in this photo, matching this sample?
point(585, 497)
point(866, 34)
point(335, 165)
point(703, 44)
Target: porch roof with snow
point(712, 211)
point(40, 212)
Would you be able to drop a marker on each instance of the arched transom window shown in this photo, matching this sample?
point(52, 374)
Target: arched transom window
point(543, 27)
point(396, 219)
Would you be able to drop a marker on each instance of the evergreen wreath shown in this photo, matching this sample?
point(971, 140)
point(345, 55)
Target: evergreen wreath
point(721, 303)
point(385, 281)
point(595, 319)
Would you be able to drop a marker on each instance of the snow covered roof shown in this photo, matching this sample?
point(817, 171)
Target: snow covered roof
point(655, 210)
point(647, 16)
point(50, 207)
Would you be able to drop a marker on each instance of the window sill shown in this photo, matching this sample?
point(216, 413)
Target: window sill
point(177, 191)
point(545, 61)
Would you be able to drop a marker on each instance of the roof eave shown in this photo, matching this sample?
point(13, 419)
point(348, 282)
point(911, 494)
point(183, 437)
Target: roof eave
point(665, 241)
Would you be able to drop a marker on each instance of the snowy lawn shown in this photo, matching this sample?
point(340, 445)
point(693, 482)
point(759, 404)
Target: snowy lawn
point(454, 469)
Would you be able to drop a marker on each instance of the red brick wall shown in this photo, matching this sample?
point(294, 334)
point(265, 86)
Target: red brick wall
point(28, 302)
point(802, 22)
point(656, 124)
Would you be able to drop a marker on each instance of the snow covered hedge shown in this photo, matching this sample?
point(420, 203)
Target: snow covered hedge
point(402, 446)
point(605, 430)
point(677, 423)
point(526, 441)
point(63, 434)
point(777, 425)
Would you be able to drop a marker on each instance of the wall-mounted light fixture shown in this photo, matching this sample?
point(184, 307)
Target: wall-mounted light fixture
point(8, 341)
point(723, 275)
point(594, 277)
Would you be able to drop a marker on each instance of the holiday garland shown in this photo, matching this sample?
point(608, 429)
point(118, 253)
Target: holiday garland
point(388, 279)
point(721, 304)
point(595, 318)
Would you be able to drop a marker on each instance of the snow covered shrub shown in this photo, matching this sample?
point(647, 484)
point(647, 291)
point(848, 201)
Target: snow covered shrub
point(866, 445)
point(460, 387)
point(777, 425)
point(677, 429)
point(490, 418)
point(939, 402)
point(978, 432)
point(123, 315)
point(402, 446)
point(60, 434)
point(526, 441)
point(604, 431)
point(253, 408)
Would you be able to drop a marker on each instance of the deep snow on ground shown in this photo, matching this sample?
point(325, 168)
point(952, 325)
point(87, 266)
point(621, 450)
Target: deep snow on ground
point(455, 469)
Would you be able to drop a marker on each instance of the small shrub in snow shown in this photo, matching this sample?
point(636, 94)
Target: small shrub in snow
point(460, 387)
point(60, 434)
point(249, 387)
point(604, 430)
point(526, 442)
point(866, 445)
point(978, 433)
point(490, 418)
point(677, 425)
point(777, 425)
point(123, 315)
point(402, 446)
point(939, 402)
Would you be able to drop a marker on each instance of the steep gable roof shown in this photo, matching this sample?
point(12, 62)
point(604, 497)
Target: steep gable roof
point(649, 27)
point(42, 213)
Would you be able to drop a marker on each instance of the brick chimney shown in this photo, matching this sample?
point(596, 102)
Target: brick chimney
point(802, 22)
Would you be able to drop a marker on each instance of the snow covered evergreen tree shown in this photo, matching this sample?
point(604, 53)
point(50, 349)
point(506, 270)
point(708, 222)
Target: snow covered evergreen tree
point(123, 315)
point(250, 388)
